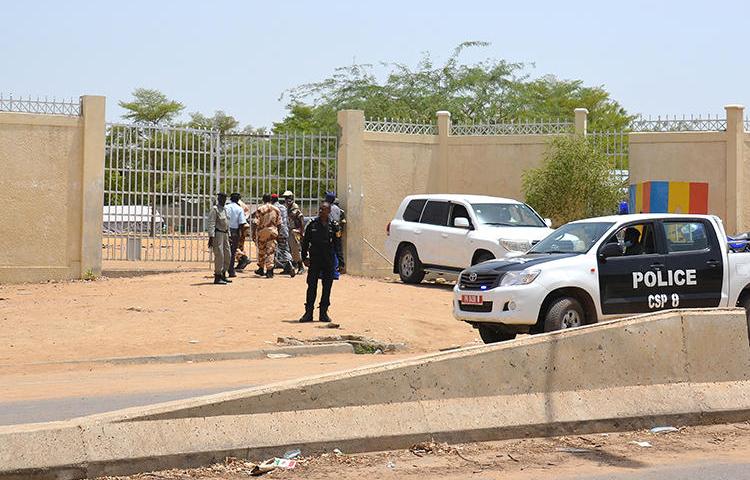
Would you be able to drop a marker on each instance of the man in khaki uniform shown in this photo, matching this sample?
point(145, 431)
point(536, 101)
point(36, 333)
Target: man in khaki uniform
point(266, 222)
point(296, 229)
point(218, 239)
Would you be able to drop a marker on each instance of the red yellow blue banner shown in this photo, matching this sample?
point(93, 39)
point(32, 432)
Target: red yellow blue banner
point(669, 197)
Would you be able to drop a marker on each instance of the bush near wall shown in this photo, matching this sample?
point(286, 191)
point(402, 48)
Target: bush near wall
point(575, 181)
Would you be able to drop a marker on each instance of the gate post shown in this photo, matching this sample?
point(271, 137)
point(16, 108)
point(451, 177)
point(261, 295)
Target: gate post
point(92, 199)
point(350, 189)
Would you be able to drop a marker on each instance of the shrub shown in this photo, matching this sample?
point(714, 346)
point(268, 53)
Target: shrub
point(575, 181)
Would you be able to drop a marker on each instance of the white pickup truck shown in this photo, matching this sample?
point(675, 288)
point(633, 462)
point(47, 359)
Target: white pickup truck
point(601, 268)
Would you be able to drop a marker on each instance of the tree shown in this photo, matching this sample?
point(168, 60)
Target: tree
point(307, 119)
point(575, 181)
point(220, 122)
point(489, 90)
point(551, 98)
point(151, 107)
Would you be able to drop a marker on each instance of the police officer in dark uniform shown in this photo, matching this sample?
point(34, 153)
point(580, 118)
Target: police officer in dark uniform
point(322, 240)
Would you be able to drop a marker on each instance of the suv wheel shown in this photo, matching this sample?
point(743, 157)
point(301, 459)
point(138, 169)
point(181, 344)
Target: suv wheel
point(482, 257)
point(492, 334)
point(409, 266)
point(565, 312)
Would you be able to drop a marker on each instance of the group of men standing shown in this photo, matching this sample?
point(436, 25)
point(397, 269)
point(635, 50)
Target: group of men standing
point(282, 241)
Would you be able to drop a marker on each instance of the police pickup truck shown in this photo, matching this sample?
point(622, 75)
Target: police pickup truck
point(601, 268)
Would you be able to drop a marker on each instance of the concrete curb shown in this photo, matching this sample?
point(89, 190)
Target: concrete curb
point(76, 450)
point(678, 367)
point(293, 351)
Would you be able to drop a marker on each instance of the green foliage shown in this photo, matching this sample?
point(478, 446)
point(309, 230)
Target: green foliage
point(575, 181)
point(307, 119)
point(489, 90)
point(551, 98)
point(151, 107)
point(220, 122)
point(88, 275)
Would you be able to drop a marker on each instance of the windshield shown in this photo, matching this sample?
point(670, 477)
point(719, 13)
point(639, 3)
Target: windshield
point(507, 215)
point(572, 238)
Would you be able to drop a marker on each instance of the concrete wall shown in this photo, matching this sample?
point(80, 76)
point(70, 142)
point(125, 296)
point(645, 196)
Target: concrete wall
point(51, 190)
point(664, 156)
point(720, 158)
point(377, 170)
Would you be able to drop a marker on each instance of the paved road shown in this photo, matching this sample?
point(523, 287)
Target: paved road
point(702, 471)
point(46, 410)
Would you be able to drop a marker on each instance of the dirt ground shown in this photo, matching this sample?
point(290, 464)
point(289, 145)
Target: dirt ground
point(559, 457)
point(140, 310)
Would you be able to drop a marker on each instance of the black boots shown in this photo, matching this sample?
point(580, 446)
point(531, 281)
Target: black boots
point(324, 315)
point(300, 268)
point(269, 273)
point(290, 270)
point(244, 262)
point(260, 271)
point(218, 280)
point(224, 277)
point(308, 316)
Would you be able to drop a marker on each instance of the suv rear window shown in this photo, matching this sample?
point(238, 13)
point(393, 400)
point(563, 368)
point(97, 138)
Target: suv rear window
point(414, 210)
point(436, 213)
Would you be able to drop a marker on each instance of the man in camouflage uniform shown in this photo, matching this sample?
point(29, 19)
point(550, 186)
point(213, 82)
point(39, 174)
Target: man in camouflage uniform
point(266, 230)
point(218, 239)
point(283, 255)
point(296, 222)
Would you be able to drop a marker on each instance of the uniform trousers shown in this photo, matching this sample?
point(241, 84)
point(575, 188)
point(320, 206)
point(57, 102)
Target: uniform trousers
point(222, 253)
point(324, 272)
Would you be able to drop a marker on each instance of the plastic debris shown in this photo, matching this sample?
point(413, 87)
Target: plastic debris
point(390, 465)
point(337, 451)
point(273, 464)
point(378, 352)
point(333, 325)
point(194, 341)
point(641, 444)
point(664, 430)
point(293, 454)
point(572, 450)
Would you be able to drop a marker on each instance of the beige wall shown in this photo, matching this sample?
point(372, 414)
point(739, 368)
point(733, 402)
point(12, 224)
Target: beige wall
point(377, 170)
point(720, 158)
point(683, 157)
point(492, 165)
point(51, 192)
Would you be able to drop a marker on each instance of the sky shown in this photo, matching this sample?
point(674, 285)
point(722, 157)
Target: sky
point(654, 57)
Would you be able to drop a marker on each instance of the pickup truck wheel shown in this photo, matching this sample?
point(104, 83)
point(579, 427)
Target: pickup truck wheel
point(409, 267)
point(745, 303)
point(565, 312)
point(494, 335)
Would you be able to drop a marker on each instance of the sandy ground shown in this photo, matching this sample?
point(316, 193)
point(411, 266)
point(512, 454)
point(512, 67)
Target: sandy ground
point(599, 454)
point(140, 310)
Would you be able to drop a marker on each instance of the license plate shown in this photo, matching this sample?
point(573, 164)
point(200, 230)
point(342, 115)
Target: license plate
point(472, 299)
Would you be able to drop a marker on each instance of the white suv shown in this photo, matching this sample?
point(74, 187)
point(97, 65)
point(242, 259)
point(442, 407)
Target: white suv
point(446, 233)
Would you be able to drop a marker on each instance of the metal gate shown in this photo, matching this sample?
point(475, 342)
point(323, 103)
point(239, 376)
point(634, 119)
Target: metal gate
point(160, 182)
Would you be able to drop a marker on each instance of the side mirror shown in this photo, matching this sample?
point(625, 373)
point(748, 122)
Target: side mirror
point(461, 222)
point(548, 222)
point(611, 250)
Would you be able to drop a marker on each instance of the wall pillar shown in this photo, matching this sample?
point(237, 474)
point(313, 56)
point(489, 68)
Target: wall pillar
point(581, 121)
point(349, 186)
point(92, 185)
point(439, 181)
point(735, 159)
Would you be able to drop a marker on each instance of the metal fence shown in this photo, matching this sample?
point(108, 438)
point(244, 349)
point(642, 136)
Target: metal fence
point(9, 103)
point(706, 123)
point(614, 144)
point(256, 164)
point(160, 183)
point(536, 127)
point(400, 126)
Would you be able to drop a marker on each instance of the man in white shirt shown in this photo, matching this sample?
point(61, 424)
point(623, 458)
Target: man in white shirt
point(237, 219)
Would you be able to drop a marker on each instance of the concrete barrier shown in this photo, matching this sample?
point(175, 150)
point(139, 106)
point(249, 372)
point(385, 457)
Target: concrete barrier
point(682, 367)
